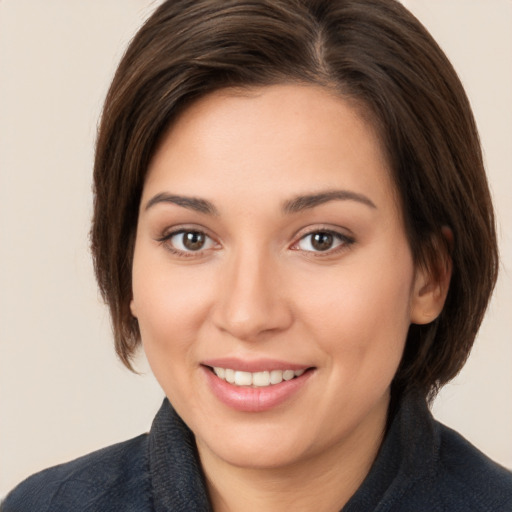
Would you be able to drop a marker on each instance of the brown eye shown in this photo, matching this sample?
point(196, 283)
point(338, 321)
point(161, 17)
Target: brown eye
point(189, 241)
point(322, 241)
point(193, 240)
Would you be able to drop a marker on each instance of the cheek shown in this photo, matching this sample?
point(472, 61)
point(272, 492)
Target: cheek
point(170, 312)
point(170, 304)
point(361, 313)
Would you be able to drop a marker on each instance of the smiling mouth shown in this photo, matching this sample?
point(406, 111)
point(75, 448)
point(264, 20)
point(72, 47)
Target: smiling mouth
point(255, 379)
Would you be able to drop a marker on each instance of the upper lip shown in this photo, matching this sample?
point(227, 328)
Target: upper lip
point(255, 365)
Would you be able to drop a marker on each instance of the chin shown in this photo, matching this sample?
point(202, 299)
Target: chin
point(256, 446)
point(273, 456)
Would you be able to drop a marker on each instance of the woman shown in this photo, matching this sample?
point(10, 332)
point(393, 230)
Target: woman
point(290, 209)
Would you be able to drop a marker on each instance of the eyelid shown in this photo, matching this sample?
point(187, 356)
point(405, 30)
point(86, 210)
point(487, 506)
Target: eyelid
point(170, 232)
point(345, 239)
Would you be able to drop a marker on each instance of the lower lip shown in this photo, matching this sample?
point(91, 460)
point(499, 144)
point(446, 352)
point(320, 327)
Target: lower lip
point(254, 399)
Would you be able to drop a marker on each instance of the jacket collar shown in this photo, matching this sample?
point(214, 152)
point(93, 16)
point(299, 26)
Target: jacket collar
point(407, 455)
point(176, 477)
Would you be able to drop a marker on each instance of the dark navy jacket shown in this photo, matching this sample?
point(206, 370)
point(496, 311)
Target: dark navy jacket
point(422, 466)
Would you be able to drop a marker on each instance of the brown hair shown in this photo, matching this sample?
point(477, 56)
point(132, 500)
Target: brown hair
point(371, 51)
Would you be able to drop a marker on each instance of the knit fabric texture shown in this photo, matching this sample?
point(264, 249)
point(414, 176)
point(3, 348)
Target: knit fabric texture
point(422, 466)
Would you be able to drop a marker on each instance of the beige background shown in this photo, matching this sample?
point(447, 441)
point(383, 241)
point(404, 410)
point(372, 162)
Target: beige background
point(62, 392)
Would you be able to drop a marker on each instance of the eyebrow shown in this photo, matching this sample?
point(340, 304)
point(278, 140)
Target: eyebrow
point(192, 203)
point(295, 205)
point(304, 202)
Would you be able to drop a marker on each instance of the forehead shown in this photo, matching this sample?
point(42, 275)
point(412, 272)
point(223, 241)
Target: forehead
point(290, 139)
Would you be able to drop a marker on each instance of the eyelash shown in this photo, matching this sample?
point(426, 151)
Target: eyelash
point(344, 242)
point(165, 241)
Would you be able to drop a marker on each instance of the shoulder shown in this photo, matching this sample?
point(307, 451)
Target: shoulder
point(467, 478)
point(103, 480)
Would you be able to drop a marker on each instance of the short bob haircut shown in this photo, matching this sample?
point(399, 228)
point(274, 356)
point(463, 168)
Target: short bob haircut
point(373, 53)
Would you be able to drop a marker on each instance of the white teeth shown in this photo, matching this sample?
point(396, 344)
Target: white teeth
point(220, 372)
point(288, 374)
point(261, 379)
point(243, 378)
point(257, 379)
point(276, 376)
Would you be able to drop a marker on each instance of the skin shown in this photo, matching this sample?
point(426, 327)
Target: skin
point(259, 289)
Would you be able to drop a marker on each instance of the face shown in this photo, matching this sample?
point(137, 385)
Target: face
point(272, 279)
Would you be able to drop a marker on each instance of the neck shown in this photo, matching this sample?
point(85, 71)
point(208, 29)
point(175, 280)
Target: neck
point(323, 482)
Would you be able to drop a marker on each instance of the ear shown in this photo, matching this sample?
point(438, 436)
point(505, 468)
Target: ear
point(133, 309)
point(431, 284)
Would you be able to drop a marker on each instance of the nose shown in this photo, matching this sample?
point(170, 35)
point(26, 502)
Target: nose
point(251, 303)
